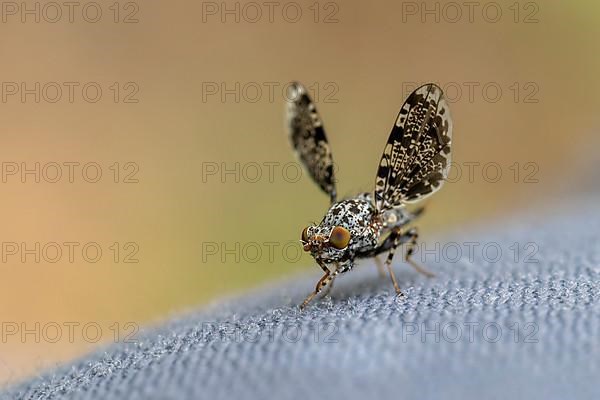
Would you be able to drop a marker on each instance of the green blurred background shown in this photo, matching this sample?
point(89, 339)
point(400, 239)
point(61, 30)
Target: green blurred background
point(359, 60)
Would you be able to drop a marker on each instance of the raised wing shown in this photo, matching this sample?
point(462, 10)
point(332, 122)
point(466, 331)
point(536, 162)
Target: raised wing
point(416, 158)
point(308, 138)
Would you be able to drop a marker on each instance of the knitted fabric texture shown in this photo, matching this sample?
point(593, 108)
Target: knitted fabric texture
point(522, 324)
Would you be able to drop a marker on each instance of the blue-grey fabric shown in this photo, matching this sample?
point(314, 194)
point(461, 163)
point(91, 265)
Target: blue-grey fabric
point(511, 328)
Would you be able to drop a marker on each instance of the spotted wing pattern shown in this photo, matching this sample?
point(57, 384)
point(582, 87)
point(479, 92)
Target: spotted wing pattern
point(416, 158)
point(308, 138)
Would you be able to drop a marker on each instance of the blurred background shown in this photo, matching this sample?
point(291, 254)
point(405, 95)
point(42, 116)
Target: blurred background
point(145, 169)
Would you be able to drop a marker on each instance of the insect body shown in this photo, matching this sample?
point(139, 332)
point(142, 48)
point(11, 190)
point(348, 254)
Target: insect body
point(414, 164)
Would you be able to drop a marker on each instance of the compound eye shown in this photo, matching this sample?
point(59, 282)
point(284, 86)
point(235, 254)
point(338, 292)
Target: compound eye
point(305, 234)
point(339, 238)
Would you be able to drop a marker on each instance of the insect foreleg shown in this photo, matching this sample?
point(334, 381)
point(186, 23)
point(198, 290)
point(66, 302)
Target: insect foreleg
point(388, 261)
point(412, 236)
point(320, 285)
point(323, 282)
point(323, 266)
point(337, 266)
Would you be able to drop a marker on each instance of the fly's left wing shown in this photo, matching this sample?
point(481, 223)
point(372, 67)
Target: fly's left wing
point(308, 138)
point(416, 158)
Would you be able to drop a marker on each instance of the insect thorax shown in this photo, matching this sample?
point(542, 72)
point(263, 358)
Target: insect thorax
point(360, 212)
point(359, 216)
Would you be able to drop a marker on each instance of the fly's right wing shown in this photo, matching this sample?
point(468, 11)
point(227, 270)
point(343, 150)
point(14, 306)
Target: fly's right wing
point(416, 158)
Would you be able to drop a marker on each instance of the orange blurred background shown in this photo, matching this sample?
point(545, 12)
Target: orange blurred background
point(188, 92)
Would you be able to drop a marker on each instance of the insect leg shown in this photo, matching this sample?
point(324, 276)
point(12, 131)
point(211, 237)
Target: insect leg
point(413, 235)
point(324, 281)
point(388, 262)
point(323, 267)
point(336, 271)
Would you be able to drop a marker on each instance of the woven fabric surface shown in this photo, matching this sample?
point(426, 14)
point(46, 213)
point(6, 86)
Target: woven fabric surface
point(524, 325)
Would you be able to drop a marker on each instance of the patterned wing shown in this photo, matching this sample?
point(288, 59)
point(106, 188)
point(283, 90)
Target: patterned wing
point(308, 138)
point(416, 158)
